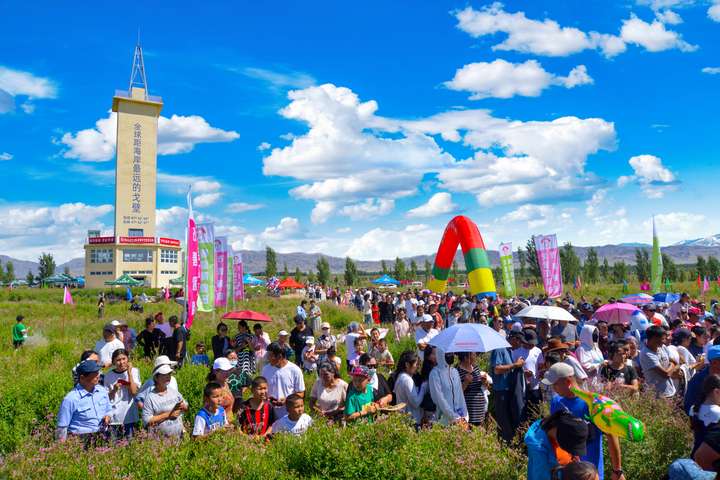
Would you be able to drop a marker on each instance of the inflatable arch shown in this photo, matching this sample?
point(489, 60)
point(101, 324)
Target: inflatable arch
point(463, 231)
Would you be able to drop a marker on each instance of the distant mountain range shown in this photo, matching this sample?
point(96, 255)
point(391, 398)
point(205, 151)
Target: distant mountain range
point(712, 241)
point(685, 252)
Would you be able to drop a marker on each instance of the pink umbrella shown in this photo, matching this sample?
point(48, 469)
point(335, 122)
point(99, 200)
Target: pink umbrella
point(616, 313)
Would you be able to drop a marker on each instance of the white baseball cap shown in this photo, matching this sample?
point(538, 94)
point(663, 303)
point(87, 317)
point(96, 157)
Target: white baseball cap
point(222, 363)
point(427, 318)
point(556, 372)
point(283, 333)
point(309, 341)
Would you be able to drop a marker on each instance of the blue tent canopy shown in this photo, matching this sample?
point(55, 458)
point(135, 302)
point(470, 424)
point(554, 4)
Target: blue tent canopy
point(250, 280)
point(385, 280)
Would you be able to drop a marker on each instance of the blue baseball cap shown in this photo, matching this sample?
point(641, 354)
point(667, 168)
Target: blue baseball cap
point(88, 366)
point(713, 353)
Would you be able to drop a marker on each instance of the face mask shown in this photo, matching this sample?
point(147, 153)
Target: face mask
point(233, 363)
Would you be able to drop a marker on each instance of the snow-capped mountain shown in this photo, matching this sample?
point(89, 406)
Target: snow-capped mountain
point(712, 241)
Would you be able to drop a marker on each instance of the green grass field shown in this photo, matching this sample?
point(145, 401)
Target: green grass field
point(34, 380)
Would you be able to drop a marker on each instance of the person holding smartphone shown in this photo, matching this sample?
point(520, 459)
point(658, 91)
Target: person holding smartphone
point(122, 383)
point(163, 407)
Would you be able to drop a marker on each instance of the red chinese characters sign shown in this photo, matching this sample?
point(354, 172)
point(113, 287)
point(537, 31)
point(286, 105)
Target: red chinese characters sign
point(100, 240)
point(172, 242)
point(137, 240)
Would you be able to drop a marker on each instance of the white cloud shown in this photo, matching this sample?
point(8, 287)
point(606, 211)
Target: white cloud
point(523, 34)
point(711, 70)
point(284, 234)
point(676, 226)
point(544, 159)
point(279, 80)
point(343, 230)
point(530, 160)
point(287, 227)
point(344, 133)
point(381, 243)
point(241, 207)
point(370, 208)
point(534, 215)
point(206, 199)
point(29, 229)
point(5, 156)
point(439, 204)
point(547, 37)
point(15, 83)
point(653, 36)
point(714, 11)
point(264, 146)
point(669, 17)
point(177, 134)
point(654, 178)
point(502, 79)
point(651, 169)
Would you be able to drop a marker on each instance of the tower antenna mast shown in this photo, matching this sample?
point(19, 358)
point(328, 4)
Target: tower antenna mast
point(137, 76)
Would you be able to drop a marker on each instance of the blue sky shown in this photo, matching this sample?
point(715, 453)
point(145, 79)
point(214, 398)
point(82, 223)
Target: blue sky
point(361, 129)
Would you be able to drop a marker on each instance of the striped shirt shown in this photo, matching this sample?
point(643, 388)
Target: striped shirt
point(474, 395)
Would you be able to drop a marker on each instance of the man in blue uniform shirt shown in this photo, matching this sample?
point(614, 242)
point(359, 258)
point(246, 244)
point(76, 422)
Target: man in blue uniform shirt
point(86, 408)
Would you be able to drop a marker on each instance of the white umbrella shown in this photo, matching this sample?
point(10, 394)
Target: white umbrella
point(468, 337)
point(546, 312)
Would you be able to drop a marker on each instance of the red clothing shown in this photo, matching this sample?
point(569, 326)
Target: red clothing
point(376, 314)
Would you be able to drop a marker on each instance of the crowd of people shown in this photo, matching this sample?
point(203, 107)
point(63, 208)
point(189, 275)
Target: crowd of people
point(258, 384)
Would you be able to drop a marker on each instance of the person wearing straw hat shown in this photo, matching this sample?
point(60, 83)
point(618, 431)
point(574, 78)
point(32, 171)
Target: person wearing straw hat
point(163, 407)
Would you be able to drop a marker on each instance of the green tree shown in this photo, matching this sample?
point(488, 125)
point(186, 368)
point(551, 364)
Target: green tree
point(286, 274)
point(30, 278)
point(270, 262)
point(66, 270)
point(323, 271)
point(47, 265)
point(311, 276)
point(497, 273)
point(591, 268)
point(522, 261)
point(351, 273)
point(670, 270)
point(9, 272)
point(619, 271)
point(428, 270)
point(701, 266)
point(413, 270)
point(642, 264)
point(713, 267)
point(399, 269)
point(531, 259)
point(605, 269)
point(298, 274)
point(383, 267)
point(569, 263)
point(454, 272)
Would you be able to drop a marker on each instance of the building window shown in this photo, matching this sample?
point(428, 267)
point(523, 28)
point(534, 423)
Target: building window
point(137, 255)
point(168, 256)
point(101, 255)
point(168, 272)
point(135, 232)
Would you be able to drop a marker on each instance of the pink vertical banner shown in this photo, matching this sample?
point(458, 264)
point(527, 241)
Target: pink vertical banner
point(221, 264)
point(238, 286)
point(193, 272)
point(548, 255)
